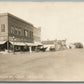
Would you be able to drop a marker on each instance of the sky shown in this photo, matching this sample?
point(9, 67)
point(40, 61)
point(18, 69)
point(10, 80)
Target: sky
point(58, 20)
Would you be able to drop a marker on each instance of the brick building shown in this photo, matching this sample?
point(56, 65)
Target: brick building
point(37, 35)
point(18, 33)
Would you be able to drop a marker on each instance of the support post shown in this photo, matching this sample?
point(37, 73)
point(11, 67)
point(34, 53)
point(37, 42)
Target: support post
point(30, 49)
point(13, 46)
point(7, 46)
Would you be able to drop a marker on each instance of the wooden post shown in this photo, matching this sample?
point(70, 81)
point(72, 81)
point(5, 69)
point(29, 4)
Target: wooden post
point(13, 46)
point(30, 49)
point(8, 46)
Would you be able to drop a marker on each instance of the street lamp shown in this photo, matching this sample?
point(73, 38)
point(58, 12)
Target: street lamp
point(13, 45)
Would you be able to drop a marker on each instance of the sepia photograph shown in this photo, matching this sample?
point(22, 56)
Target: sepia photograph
point(41, 41)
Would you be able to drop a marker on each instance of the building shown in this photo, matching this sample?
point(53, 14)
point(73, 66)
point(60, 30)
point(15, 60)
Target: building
point(48, 44)
point(72, 46)
point(60, 44)
point(37, 35)
point(36, 38)
point(57, 44)
point(17, 34)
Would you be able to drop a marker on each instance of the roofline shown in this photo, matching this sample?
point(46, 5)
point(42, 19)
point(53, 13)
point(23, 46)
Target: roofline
point(8, 14)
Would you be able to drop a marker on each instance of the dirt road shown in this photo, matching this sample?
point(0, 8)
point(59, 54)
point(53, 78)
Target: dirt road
point(67, 65)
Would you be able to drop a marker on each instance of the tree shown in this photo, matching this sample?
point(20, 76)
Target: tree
point(78, 45)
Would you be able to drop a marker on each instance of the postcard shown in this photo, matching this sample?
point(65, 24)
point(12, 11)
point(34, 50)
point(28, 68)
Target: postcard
point(41, 41)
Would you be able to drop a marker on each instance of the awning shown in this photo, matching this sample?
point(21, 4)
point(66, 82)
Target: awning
point(2, 42)
point(38, 43)
point(18, 43)
point(33, 44)
point(29, 44)
point(25, 44)
point(22, 43)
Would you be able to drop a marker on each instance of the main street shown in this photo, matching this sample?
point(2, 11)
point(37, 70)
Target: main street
point(67, 65)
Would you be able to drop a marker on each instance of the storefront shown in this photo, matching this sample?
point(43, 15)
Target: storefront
point(18, 46)
point(3, 45)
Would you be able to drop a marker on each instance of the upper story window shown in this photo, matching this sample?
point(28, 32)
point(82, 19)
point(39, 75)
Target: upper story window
point(12, 29)
point(28, 33)
point(15, 32)
point(31, 34)
point(2, 27)
point(25, 33)
point(19, 33)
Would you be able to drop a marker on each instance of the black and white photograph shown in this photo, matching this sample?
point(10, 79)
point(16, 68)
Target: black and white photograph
point(41, 41)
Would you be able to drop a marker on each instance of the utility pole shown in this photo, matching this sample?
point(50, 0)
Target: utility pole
point(13, 45)
point(8, 45)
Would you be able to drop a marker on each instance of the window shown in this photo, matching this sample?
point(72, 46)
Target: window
point(32, 34)
point(15, 31)
point(25, 33)
point(2, 27)
point(28, 34)
point(19, 33)
point(12, 29)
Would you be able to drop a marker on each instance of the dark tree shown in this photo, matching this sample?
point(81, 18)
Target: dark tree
point(78, 45)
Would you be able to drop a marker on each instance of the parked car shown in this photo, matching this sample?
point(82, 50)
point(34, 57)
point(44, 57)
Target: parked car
point(43, 49)
point(52, 49)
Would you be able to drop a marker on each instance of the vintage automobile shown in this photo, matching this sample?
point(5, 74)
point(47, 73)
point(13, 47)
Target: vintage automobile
point(43, 49)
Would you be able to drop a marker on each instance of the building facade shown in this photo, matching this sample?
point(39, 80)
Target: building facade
point(57, 44)
point(37, 35)
point(15, 31)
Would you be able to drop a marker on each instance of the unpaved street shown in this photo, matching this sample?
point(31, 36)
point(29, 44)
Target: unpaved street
point(67, 65)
